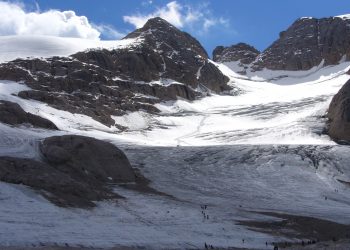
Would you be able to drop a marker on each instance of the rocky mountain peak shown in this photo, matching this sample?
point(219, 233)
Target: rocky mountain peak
point(164, 36)
point(242, 52)
point(307, 43)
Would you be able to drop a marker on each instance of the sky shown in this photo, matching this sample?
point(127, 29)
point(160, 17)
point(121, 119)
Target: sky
point(212, 22)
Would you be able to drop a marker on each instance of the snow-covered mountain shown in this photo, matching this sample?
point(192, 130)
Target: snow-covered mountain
point(212, 156)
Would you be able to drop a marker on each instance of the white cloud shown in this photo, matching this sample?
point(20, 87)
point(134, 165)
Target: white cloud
point(171, 12)
point(109, 32)
point(15, 20)
point(198, 18)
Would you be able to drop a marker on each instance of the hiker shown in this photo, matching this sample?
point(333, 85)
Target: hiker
point(243, 241)
point(205, 245)
point(207, 217)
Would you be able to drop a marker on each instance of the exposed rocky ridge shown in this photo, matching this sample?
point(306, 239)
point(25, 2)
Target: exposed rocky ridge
point(306, 43)
point(75, 171)
point(339, 115)
point(100, 83)
point(11, 113)
point(241, 52)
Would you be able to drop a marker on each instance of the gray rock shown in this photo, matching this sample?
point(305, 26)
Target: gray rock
point(11, 113)
point(339, 115)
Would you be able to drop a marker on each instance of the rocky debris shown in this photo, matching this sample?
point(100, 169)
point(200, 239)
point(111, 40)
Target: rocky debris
point(101, 83)
point(339, 115)
point(306, 43)
point(241, 52)
point(75, 171)
point(11, 113)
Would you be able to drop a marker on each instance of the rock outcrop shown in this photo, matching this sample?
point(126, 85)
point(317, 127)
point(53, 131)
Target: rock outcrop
point(101, 83)
point(11, 113)
point(306, 43)
point(240, 52)
point(339, 115)
point(75, 171)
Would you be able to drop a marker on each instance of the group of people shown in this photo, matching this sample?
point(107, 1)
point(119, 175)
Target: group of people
point(204, 208)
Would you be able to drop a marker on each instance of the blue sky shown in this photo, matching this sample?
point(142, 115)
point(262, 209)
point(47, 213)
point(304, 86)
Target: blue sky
point(212, 22)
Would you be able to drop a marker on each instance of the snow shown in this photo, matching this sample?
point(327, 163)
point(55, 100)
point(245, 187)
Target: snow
point(346, 16)
point(161, 81)
point(13, 47)
point(134, 120)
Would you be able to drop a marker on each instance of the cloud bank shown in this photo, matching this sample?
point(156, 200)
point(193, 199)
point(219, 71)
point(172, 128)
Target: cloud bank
point(198, 18)
point(15, 20)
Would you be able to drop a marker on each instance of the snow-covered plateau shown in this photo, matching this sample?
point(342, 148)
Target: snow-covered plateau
point(264, 150)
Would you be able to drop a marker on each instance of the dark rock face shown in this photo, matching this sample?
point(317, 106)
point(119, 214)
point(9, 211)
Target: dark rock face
point(100, 83)
point(11, 113)
point(339, 115)
point(75, 170)
point(306, 43)
point(241, 52)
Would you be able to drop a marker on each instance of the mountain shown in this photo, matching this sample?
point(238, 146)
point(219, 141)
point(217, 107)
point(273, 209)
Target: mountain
point(155, 63)
point(238, 57)
point(241, 52)
point(307, 43)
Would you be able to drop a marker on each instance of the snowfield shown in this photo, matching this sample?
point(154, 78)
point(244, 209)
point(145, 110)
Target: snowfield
point(263, 150)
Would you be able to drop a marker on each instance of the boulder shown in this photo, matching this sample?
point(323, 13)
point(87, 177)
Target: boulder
point(87, 158)
point(11, 113)
point(75, 170)
point(339, 115)
point(58, 187)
